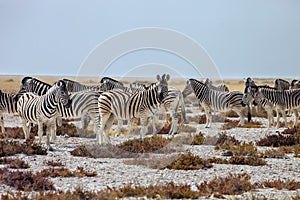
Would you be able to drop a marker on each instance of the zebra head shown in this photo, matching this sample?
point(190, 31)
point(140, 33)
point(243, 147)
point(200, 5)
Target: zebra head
point(109, 84)
point(188, 89)
point(248, 92)
point(295, 84)
point(162, 85)
point(62, 94)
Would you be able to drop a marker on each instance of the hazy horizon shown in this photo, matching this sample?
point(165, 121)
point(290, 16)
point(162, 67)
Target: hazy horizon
point(239, 38)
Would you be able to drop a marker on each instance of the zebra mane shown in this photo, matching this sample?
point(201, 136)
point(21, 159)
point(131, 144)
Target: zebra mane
point(25, 79)
point(34, 79)
point(110, 79)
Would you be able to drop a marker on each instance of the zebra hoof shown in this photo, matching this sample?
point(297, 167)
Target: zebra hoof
point(50, 148)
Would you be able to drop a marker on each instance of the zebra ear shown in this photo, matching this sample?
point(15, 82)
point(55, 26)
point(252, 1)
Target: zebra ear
point(158, 77)
point(168, 77)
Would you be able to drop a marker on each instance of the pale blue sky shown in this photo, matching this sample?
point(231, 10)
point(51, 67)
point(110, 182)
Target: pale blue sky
point(244, 38)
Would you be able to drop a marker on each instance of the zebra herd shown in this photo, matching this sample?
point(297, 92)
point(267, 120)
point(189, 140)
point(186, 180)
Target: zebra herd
point(40, 103)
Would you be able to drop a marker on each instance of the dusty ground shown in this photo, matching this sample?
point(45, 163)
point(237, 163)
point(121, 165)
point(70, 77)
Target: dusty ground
point(114, 173)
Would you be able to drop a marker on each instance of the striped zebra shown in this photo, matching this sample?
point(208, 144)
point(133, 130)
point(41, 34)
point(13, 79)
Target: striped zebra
point(281, 84)
point(84, 105)
point(214, 100)
point(74, 86)
point(282, 100)
point(222, 88)
point(8, 105)
point(42, 109)
point(248, 99)
point(171, 102)
point(124, 105)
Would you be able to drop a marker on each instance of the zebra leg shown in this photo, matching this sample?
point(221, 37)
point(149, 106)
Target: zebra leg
point(296, 117)
point(270, 117)
point(102, 124)
point(208, 116)
point(53, 133)
point(174, 125)
point(120, 124)
point(2, 123)
point(40, 131)
point(284, 117)
point(278, 117)
point(25, 129)
point(51, 128)
point(241, 115)
point(59, 121)
point(144, 123)
point(107, 127)
point(154, 120)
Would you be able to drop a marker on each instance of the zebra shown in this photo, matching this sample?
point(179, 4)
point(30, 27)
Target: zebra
point(124, 105)
point(214, 100)
point(84, 105)
point(36, 109)
point(222, 88)
point(8, 104)
point(281, 84)
point(171, 103)
point(74, 86)
point(282, 100)
point(248, 98)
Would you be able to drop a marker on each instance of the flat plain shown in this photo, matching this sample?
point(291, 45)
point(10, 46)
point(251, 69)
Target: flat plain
point(246, 165)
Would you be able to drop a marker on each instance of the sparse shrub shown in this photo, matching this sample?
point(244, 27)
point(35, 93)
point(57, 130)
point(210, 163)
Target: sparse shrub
point(233, 124)
point(233, 184)
point(8, 148)
point(247, 160)
point(54, 163)
point(223, 138)
point(149, 144)
point(277, 140)
point(297, 151)
point(186, 129)
point(198, 139)
point(279, 184)
point(64, 172)
point(189, 162)
point(14, 163)
point(25, 181)
point(273, 153)
point(243, 149)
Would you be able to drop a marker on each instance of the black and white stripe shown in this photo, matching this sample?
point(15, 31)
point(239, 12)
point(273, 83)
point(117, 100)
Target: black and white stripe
point(8, 105)
point(74, 86)
point(171, 103)
point(248, 99)
point(42, 109)
point(295, 84)
point(215, 100)
point(282, 100)
point(123, 105)
point(84, 105)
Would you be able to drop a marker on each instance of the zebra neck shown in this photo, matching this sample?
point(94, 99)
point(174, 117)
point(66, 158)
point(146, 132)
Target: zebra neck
point(49, 105)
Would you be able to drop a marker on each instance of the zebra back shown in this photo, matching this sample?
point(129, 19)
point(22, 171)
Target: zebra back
point(222, 87)
point(30, 84)
point(74, 86)
point(217, 100)
point(281, 84)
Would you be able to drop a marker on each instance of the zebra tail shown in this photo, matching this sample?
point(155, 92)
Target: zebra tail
point(183, 113)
